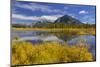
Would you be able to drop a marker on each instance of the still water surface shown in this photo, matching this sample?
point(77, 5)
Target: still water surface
point(43, 36)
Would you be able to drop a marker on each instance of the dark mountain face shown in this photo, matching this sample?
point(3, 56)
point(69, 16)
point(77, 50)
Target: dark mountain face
point(66, 19)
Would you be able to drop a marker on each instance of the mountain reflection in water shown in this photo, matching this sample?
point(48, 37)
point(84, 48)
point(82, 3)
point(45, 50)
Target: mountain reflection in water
point(44, 36)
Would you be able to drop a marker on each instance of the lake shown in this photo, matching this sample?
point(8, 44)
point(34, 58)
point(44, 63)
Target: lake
point(61, 37)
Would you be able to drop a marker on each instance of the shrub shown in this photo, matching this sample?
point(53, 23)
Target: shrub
point(24, 53)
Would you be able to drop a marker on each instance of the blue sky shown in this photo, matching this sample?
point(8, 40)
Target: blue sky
point(30, 12)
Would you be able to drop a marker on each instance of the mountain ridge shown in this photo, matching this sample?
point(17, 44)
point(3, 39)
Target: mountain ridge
point(66, 19)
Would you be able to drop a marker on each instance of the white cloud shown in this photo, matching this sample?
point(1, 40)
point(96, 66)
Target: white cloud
point(35, 18)
point(31, 6)
point(83, 12)
point(51, 17)
point(35, 7)
point(22, 17)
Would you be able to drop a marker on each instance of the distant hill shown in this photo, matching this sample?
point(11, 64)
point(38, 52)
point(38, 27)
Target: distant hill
point(42, 22)
point(61, 22)
point(66, 19)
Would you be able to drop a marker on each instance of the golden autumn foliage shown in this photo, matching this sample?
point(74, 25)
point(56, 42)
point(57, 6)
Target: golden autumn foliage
point(24, 53)
point(78, 31)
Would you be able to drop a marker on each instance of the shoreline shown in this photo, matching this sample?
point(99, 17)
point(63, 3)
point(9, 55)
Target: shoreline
point(81, 31)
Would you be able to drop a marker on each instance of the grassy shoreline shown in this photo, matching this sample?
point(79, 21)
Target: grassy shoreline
point(75, 31)
point(25, 53)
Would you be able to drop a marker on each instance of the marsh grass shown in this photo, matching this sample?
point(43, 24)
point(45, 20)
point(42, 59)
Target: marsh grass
point(25, 53)
point(71, 31)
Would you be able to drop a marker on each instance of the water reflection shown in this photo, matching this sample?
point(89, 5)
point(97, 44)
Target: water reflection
point(87, 39)
point(43, 36)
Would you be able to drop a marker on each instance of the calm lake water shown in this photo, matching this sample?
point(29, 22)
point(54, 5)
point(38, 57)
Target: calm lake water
point(43, 36)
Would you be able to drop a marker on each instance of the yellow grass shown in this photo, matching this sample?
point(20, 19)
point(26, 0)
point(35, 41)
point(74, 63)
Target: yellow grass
point(24, 53)
point(82, 31)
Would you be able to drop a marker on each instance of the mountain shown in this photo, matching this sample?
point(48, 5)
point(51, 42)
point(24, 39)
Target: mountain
point(60, 22)
point(66, 19)
point(42, 22)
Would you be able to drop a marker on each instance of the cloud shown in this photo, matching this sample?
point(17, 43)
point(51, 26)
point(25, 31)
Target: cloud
point(35, 7)
point(31, 6)
point(35, 18)
point(51, 17)
point(22, 17)
point(83, 12)
point(88, 19)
